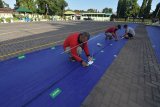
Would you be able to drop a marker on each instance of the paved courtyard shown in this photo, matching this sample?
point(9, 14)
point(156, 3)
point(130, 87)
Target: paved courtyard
point(132, 80)
point(24, 38)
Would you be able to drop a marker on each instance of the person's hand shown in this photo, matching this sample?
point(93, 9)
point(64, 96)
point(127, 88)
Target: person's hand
point(84, 64)
point(90, 58)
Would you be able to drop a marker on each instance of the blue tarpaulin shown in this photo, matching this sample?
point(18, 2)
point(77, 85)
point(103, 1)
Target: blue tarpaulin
point(30, 81)
point(154, 35)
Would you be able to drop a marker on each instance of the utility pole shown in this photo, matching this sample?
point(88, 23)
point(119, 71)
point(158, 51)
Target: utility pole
point(46, 10)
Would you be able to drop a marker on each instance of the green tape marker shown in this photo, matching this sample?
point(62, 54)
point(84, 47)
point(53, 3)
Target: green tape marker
point(55, 93)
point(21, 56)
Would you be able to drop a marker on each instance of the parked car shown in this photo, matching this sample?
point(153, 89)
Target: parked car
point(87, 19)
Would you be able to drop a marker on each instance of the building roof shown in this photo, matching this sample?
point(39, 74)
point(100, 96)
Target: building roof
point(70, 12)
point(6, 10)
point(22, 9)
point(98, 13)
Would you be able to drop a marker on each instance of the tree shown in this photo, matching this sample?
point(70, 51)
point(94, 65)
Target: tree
point(110, 10)
point(157, 11)
point(31, 5)
point(134, 9)
point(28, 4)
point(47, 7)
point(119, 7)
point(143, 7)
point(147, 9)
point(107, 10)
point(80, 11)
point(127, 8)
point(123, 9)
point(60, 6)
point(5, 4)
point(92, 10)
point(41, 6)
point(1, 4)
point(18, 4)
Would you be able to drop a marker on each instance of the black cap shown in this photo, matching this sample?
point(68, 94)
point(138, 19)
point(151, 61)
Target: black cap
point(125, 26)
point(85, 34)
point(119, 26)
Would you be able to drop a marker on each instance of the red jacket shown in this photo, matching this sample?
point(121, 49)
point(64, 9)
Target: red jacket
point(72, 42)
point(111, 30)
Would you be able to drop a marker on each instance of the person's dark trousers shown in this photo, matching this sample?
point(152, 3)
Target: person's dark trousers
point(130, 35)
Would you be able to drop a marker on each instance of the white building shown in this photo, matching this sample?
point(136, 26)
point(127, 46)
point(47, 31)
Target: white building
point(96, 16)
point(69, 15)
point(6, 13)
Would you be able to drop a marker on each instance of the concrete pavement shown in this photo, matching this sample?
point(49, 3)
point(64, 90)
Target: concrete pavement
point(133, 80)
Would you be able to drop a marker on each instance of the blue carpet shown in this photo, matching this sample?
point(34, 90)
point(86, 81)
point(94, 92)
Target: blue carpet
point(154, 35)
point(28, 82)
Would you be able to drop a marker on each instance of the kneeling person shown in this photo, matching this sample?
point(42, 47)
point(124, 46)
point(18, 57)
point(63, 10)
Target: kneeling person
point(129, 32)
point(111, 32)
point(74, 44)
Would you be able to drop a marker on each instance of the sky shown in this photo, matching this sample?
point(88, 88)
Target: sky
point(96, 4)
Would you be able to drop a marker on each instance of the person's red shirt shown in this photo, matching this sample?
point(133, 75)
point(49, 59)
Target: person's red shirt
point(72, 42)
point(111, 30)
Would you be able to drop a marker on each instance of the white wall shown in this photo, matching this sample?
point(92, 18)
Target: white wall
point(96, 18)
point(6, 15)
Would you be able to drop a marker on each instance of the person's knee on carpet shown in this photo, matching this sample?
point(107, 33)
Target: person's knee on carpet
point(68, 51)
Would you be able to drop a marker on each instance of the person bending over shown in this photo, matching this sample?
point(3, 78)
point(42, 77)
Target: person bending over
point(111, 32)
point(74, 44)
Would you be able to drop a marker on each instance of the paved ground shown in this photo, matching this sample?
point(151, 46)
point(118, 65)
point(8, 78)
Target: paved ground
point(133, 80)
point(23, 38)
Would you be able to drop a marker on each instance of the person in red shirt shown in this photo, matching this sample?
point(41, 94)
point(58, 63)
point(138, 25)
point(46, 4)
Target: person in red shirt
point(111, 32)
point(74, 44)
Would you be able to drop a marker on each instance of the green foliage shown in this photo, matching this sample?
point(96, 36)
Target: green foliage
point(124, 8)
point(107, 10)
point(60, 7)
point(156, 13)
point(144, 4)
point(18, 16)
point(80, 11)
point(127, 8)
point(147, 9)
point(47, 7)
point(92, 10)
point(51, 7)
point(8, 20)
point(1, 20)
point(120, 3)
point(134, 11)
point(5, 4)
point(15, 18)
point(1, 4)
point(28, 4)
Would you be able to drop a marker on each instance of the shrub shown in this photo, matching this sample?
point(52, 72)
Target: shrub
point(1, 20)
point(15, 18)
point(8, 20)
